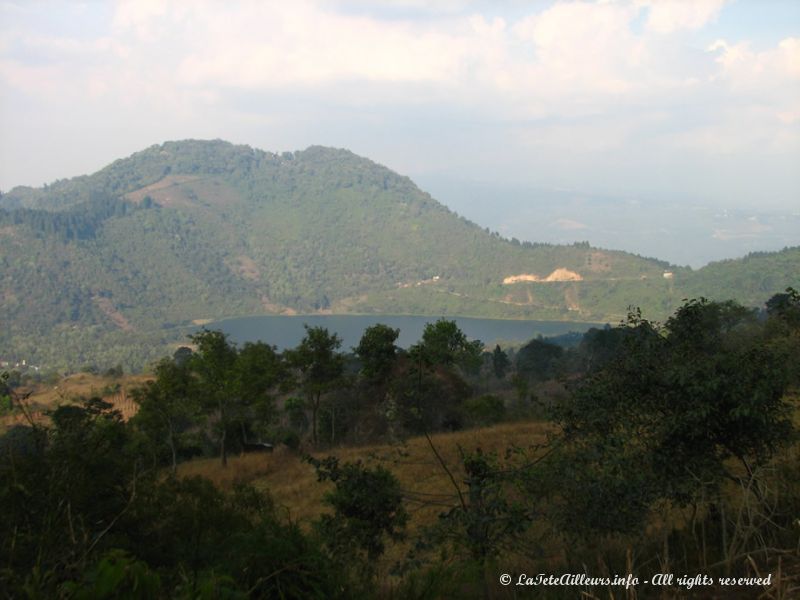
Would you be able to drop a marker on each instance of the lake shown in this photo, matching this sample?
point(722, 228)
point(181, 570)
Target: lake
point(286, 332)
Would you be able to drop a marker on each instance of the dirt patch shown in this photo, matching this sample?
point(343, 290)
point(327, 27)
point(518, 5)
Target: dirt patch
point(209, 191)
point(187, 191)
point(105, 305)
point(563, 275)
point(521, 278)
point(246, 267)
point(166, 191)
point(408, 284)
point(560, 274)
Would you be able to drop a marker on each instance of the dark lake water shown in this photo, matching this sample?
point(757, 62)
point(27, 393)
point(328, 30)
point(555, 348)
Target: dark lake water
point(286, 332)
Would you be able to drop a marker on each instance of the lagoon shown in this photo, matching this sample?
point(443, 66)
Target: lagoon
point(287, 331)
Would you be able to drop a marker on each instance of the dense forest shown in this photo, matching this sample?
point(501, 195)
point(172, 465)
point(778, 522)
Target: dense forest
point(114, 267)
point(666, 448)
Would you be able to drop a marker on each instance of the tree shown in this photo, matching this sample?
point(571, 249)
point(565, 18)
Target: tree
point(213, 363)
point(5, 392)
point(434, 389)
point(484, 410)
point(181, 355)
point(377, 351)
point(62, 490)
point(663, 417)
point(783, 329)
point(443, 343)
point(539, 359)
point(598, 346)
point(786, 306)
point(320, 366)
point(167, 405)
point(259, 372)
point(486, 521)
point(367, 504)
point(500, 362)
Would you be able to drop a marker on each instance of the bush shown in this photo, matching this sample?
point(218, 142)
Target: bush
point(484, 410)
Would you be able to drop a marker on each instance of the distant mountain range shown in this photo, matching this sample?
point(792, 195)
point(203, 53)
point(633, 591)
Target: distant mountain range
point(112, 267)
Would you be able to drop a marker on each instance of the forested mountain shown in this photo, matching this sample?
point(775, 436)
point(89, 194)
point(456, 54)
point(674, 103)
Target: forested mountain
point(110, 267)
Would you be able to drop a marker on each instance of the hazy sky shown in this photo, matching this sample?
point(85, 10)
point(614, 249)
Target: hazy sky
point(694, 101)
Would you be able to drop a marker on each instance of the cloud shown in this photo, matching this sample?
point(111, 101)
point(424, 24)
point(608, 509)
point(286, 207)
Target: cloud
point(140, 15)
point(758, 94)
point(767, 79)
point(581, 48)
point(560, 90)
point(277, 45)
point(568, 60)
point(668, 16)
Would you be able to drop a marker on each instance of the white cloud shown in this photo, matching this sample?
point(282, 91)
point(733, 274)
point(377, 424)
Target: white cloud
point(745, 68)
point(140, 15)
point(571, 59)
point(668, 16)
point(271, 46)
point(769, 80)
point(610, 82)
point(33, 79)
point(581, 47)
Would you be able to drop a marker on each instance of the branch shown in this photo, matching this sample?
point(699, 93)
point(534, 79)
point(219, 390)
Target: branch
point(447, 470)
point(116, 518)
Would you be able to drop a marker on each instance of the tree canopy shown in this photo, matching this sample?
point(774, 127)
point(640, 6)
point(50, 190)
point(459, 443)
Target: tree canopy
point(662, 418)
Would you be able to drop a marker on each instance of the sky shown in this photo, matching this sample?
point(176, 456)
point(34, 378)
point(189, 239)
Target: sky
point(663, 127)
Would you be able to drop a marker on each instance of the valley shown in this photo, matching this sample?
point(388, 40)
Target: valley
point(114, 267)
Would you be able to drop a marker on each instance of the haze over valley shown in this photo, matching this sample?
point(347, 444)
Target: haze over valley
point(682, 231)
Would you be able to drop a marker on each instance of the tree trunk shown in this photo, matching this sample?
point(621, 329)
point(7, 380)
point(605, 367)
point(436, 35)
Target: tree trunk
point(223, 451)
point(173, 449)
point(333, 425)
point(314, 409)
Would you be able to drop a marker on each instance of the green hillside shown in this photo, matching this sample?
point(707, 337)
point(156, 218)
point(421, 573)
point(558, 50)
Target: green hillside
point(113, 266)
point(750, 279)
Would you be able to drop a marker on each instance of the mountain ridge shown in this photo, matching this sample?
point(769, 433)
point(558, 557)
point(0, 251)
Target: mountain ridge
point(194, 230)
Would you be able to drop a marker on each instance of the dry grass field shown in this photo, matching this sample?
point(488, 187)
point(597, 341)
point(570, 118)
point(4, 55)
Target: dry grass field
point(69, 390)
point(293, 484)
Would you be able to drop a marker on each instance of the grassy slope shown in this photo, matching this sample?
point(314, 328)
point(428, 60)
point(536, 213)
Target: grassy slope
point(293, 484)
point(750, 280)
point(429, 492)
point(68, 390)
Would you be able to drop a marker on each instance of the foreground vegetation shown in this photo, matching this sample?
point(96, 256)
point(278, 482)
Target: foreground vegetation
point(646, 449)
